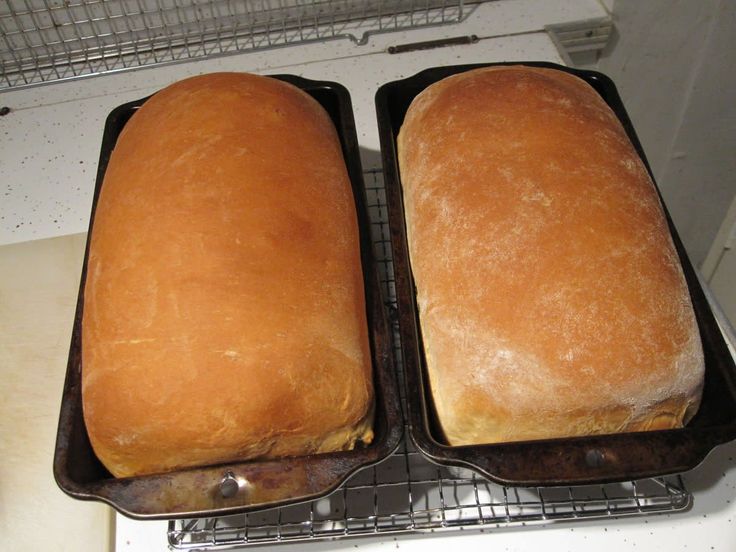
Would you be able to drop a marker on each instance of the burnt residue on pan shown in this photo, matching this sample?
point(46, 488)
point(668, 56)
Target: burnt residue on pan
point(257, 484)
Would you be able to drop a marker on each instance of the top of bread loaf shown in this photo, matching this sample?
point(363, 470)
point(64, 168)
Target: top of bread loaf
point(224, 314)
point(551, 298)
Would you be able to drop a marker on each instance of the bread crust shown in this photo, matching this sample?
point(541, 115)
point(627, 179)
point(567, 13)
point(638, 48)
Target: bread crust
point(552, 302)
point(224, 315)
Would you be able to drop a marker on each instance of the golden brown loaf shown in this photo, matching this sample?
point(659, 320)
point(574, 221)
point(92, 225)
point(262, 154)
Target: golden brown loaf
point(551, 298)
point(224, 313)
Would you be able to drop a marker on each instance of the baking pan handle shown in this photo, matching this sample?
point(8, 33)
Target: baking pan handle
point(225, 489)
point(598, 459)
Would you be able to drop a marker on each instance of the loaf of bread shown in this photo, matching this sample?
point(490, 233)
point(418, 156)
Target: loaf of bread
point(224, 314)
point(552, 302)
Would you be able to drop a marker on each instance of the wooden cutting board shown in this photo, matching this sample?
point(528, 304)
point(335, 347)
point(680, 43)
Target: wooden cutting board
point(38, 291)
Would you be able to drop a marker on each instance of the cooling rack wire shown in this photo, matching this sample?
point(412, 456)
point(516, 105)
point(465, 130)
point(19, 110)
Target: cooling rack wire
point(50, 40)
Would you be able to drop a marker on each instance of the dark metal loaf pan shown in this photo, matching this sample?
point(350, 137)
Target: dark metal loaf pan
point(203, 491)
point(580, 460)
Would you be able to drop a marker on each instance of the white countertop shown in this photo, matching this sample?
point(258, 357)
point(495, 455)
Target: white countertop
point(49, 146)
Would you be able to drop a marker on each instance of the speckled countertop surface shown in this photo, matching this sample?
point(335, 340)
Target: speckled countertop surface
point(50, 140)
point(49, 144)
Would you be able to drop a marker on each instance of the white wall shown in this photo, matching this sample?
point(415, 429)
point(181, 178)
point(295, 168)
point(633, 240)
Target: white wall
point(674, 62)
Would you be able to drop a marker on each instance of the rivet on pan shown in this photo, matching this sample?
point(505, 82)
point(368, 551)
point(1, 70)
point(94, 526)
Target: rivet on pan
point(595, 458)
point(229, 485)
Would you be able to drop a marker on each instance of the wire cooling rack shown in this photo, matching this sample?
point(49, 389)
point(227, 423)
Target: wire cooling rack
point(46, 40)
point(408, 493)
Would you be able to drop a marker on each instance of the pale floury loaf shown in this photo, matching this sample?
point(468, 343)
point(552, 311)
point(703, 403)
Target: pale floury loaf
point(551, 298)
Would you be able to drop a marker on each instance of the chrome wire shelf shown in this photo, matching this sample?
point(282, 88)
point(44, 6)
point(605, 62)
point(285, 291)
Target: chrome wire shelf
point(407, 493)
point(48, 40)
